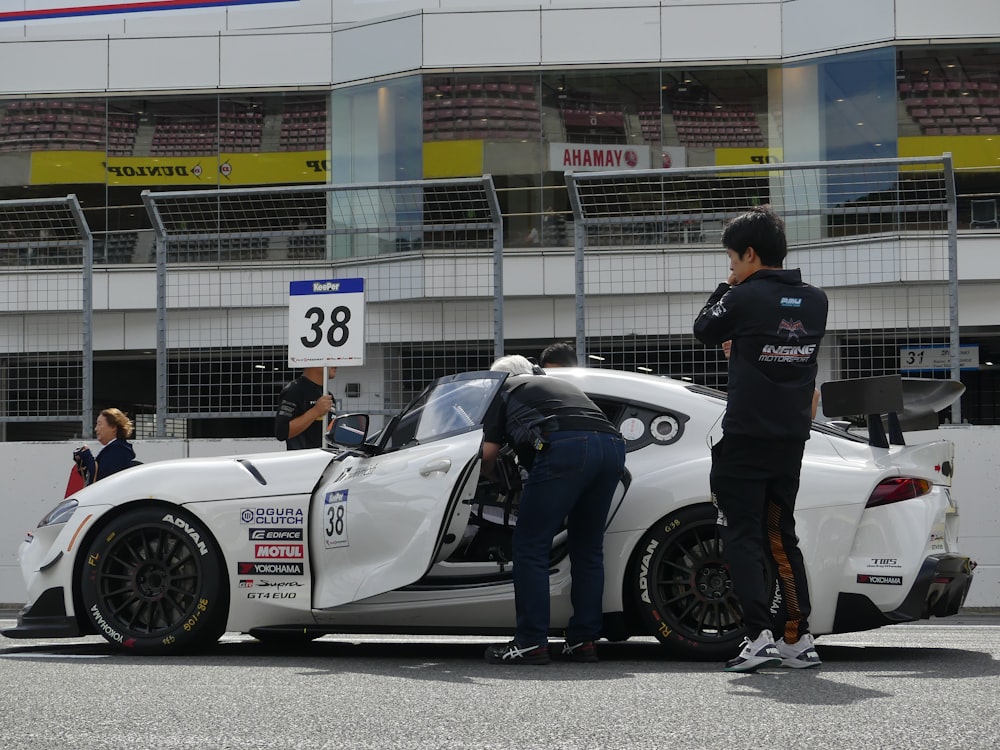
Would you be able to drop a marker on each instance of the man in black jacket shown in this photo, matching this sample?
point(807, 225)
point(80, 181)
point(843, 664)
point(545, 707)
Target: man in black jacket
point(775, 322)
point(574, 458)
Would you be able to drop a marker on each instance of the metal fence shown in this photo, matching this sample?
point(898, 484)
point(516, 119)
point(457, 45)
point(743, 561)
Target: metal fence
point(878, 235)
point(46, 349)
point(430, 252)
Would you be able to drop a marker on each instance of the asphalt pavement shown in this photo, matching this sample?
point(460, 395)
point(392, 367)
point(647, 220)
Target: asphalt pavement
point(932, 685)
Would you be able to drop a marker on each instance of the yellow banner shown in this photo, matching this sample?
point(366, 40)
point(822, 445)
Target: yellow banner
point(731, 157)
point(966, 150)
point(453, 159)
point(76, 167)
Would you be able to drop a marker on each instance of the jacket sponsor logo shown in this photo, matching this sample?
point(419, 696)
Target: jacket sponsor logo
point(880, 580)
point(271, 516)
point(278, 551)
point(792, 328)
point(791, 302)
point(269, 568)
point(772, 353)
point(180, 523)
point(276, 535)
point(246, 583)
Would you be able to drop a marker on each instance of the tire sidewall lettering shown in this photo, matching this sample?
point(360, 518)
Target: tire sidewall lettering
point(204, 616)
point(648, 555)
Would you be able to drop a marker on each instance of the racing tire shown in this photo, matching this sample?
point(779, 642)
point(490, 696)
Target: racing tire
point(153, 582)
point(681, 589)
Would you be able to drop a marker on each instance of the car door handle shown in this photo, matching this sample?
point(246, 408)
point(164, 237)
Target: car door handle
point(434, 466)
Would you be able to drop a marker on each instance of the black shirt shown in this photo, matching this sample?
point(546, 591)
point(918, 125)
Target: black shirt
point(530, 407)
point(776, 322)
point(296, 399)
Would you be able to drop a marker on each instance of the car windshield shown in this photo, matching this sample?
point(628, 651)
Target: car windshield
point(450, 405)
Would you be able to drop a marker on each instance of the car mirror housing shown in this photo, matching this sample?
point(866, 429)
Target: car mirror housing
point(349, 430)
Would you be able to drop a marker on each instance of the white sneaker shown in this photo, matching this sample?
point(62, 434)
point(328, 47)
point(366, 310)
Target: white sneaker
point(761, 652)
point(799, 655)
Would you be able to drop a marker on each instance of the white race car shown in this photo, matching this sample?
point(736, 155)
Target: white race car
point(400, 534)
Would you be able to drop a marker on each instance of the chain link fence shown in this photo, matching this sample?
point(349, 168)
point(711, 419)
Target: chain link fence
point(46, 349)
point(879, 236)
point(430, 254)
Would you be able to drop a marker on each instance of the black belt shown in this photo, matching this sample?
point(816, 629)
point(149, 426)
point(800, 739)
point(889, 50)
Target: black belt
point(572, 424)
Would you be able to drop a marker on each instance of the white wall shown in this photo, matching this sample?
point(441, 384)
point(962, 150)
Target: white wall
point(35, 477)
point(323, 42)
point(976, 490)
point(33, 487)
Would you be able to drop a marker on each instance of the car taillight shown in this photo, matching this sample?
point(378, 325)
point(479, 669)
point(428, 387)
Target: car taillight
point(896, 489)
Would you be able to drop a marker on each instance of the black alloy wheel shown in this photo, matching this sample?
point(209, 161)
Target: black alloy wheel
point(681, 587)
point(153, 581)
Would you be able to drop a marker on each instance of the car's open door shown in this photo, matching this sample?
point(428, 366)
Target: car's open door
point(378, 522)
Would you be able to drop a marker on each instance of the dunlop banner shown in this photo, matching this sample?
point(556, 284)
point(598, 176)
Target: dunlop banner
point(76, 167)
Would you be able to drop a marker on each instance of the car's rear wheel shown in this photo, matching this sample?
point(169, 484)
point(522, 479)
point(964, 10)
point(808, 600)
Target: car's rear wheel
point(681, 588)
point(153, 581)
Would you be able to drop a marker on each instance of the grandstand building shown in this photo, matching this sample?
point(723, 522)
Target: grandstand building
point(106, 106)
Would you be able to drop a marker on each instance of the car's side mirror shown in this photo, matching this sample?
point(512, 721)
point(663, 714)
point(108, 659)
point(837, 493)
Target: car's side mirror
point(349, 430)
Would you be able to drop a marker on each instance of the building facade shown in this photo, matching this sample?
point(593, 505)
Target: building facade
point(310, 92)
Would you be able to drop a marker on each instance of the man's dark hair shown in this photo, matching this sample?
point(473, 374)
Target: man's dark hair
point(763, 230)
point(560, 354)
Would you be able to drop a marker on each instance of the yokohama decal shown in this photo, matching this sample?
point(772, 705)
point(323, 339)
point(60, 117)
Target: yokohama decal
point(269, 568)
point(880, 580)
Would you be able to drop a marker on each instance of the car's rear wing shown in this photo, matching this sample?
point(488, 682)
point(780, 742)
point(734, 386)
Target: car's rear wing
point(890, 403)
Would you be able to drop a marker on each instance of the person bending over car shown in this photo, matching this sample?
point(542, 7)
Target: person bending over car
point(775, 322)
point(112, 430)
point(574, 458)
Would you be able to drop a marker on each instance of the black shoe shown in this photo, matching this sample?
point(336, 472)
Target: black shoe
point(514, 653)
point(582, 651)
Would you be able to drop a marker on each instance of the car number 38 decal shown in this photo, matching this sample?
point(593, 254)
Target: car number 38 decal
point(335, 519)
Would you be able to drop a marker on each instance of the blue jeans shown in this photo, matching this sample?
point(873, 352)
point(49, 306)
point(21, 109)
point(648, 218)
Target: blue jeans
point(574, 479)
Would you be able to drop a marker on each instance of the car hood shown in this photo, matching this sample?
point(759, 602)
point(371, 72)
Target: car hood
point(204, 479)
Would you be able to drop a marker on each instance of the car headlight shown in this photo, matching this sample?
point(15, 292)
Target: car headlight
point(59, 514)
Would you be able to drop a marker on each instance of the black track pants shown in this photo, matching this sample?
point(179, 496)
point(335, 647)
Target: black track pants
point(754, 484)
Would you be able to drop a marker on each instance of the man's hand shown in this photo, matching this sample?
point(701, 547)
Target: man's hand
point(490, 452)
point(323, 405)
point(733, 279)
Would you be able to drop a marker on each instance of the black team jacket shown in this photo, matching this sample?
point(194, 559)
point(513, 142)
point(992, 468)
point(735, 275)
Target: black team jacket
point(776, 322)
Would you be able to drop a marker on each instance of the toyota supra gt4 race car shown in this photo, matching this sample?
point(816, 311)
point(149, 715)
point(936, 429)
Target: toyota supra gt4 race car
point(398, 533)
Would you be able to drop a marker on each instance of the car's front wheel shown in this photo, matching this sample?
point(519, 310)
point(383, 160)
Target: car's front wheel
point(681, 588)
point(153, 581)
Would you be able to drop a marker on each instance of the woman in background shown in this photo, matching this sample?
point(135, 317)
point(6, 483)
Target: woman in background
point(112, 431)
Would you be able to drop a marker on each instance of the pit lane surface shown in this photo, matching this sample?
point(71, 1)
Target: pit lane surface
point(930, 685)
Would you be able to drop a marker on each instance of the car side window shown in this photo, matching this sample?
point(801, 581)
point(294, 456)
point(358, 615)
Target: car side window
point(448, 407)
